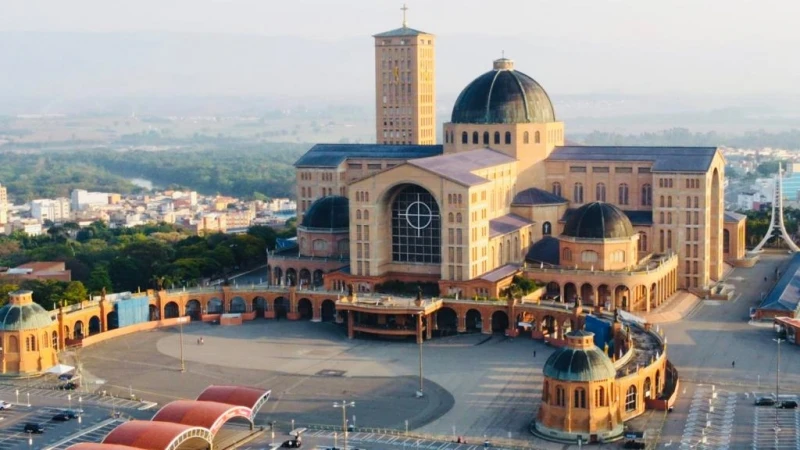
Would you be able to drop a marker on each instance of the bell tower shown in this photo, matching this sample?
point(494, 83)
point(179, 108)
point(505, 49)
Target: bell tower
point(405, 96)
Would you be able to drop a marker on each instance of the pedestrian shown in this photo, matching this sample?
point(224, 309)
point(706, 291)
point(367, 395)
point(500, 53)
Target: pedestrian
point(733, 363)
point(534, 353)
point(765, 279)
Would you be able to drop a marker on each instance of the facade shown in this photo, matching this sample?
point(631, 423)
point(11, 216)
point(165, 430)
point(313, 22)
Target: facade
point(54, 210)
point(405, 86)
point(3, 205)
point(40, 270)
point(81, 199)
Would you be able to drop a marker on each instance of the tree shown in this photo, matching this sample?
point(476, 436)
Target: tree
point(99, 279)
point(265, 233)
point(75, 292)
point(6, 289)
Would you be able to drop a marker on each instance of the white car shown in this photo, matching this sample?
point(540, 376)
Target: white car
point(4, 405)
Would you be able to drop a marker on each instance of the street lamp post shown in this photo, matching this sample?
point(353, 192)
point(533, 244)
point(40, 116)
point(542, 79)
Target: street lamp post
point(343, 405)
point(420, 369)
point(180, 326)
point(69, 399)
point(778, 382)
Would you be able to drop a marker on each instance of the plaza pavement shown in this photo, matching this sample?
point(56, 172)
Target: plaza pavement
point(492, 383)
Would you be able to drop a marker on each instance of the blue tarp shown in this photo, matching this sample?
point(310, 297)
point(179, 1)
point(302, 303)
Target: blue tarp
point(601, 330)
point(132, 310)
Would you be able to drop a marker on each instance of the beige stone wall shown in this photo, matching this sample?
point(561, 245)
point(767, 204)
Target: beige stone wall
point(597, 254)
point(405, 89)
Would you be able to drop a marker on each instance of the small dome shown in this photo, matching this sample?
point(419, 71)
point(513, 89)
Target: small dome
point(503, 95)
point(579, 363)
point(598, 220)
point(22, 314)
point(328, 212)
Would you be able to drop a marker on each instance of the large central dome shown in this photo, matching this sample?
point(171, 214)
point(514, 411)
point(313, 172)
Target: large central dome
point(503, 95)
point(598, 220)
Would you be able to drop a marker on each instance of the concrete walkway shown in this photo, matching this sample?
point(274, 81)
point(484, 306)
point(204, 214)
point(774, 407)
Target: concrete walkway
point(676, 307)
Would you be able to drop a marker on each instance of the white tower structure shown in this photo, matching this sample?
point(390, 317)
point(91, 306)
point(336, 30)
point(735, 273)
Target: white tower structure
point(776, 225)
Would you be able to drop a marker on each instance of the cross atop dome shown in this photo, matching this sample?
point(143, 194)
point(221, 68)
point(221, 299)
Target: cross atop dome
point(405, 21)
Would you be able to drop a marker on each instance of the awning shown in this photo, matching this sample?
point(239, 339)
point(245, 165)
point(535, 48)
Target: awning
point(60, 369)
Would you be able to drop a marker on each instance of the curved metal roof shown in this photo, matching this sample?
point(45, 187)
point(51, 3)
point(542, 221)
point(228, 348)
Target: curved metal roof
point(503, 95)
point(573, 364)
point(206, 414)
point(331, 212)
point(598, 220)
point(147, 435)
point(236, 395)
point(100, 446)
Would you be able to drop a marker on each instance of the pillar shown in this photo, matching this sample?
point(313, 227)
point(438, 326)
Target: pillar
point(269, 310)
point(420, 336)
point(350, 332)
point(428, 327)
point(561, 292)
point(293, 314)
point(316, 307)
point(486, 323)
point(462, 322)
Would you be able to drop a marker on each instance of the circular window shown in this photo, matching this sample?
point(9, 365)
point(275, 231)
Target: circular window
point(418, 215)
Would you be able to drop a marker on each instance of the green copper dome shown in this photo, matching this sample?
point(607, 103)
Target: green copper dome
point(503, 95)
point(579, 364)
point(16, 316)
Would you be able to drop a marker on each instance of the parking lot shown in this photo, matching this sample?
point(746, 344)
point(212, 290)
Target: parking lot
point(19, 394)
point(94, 433)
point(764, 434)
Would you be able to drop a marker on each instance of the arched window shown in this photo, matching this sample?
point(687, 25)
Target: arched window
point(726, 241)
point(546, 229)
point(661, 201)
point(546, 392)
point(661, 217)
point(464, 137)
point(577, 193)
point(579, 398)
point(560, 397)
point(458, 218)
point(589, 256)
point(661, 240)
point(366, 214)
point(647, 195)
point(525, 137)
point(647, 387)
point(508, 137)
point(485, 138)
point(618, 256)
point(566, 254)
point(688, 202)
point(623, 194)
point(601, 397)
point(642, 241)
point(320, 244)
point(669, 218)
point(669, 239)
point(537, 138)
point(13, 344)
point(474, 137)
point(450, 217)
point(496, 137)
point(557, 188)
point(600, 192)
point(669, 201)
point(33, 343)
point(459, 199)
point(55, 340)
point(28, 344)
point(630, 399)
point(358, 214)
point(697, 202)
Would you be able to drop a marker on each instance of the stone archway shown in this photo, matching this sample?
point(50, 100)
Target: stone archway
point(499, 322)
point(214, 306)
point(152, 312)
point(305, 309)
point(259, 306)
point(473, 319)
point(94, 325)
point(524, 318)
point(328, 310)
point(653, 297)
point(171, 310)
point(446, 321)
point(282, 307)
point(414, 215)
point(553, 290)
point(622, 297)
point(277, 275)
point(318, 278)
point(112, 320)
point(587, 295)
point(566, 327)
point(570, 292)
point(291, 277)
point(604, 297)
point(238, 305)
point(304, 279)
point(78, 334)
point(549, 326)
point(193, 309)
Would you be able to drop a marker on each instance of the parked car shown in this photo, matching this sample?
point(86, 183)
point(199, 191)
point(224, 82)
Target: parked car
point(788, 404)
point(4, 405)
point(71, 413)
point(61, 417)
point(765, 401)
point(71, 386)
point(35, 428)
point(292, 443)
point(65, 376)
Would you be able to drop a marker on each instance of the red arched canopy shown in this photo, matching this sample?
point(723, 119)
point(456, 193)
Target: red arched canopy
point(143, 434)
point(209, 415)
point(249, 397)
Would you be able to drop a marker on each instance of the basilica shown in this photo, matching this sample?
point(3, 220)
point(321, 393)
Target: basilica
point(505, 195)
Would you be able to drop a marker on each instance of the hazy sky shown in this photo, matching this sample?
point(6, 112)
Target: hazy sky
point(704, 46)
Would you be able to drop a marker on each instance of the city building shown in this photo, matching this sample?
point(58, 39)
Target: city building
point(54, 210)
point(29, 336)
point(39, 270)
point(31, 227)
point(405, 86)
point(3, 205)
point(83, 199)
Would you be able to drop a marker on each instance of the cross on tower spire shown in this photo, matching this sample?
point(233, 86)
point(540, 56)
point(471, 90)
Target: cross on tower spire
point(405, 21)
point(776, 225)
